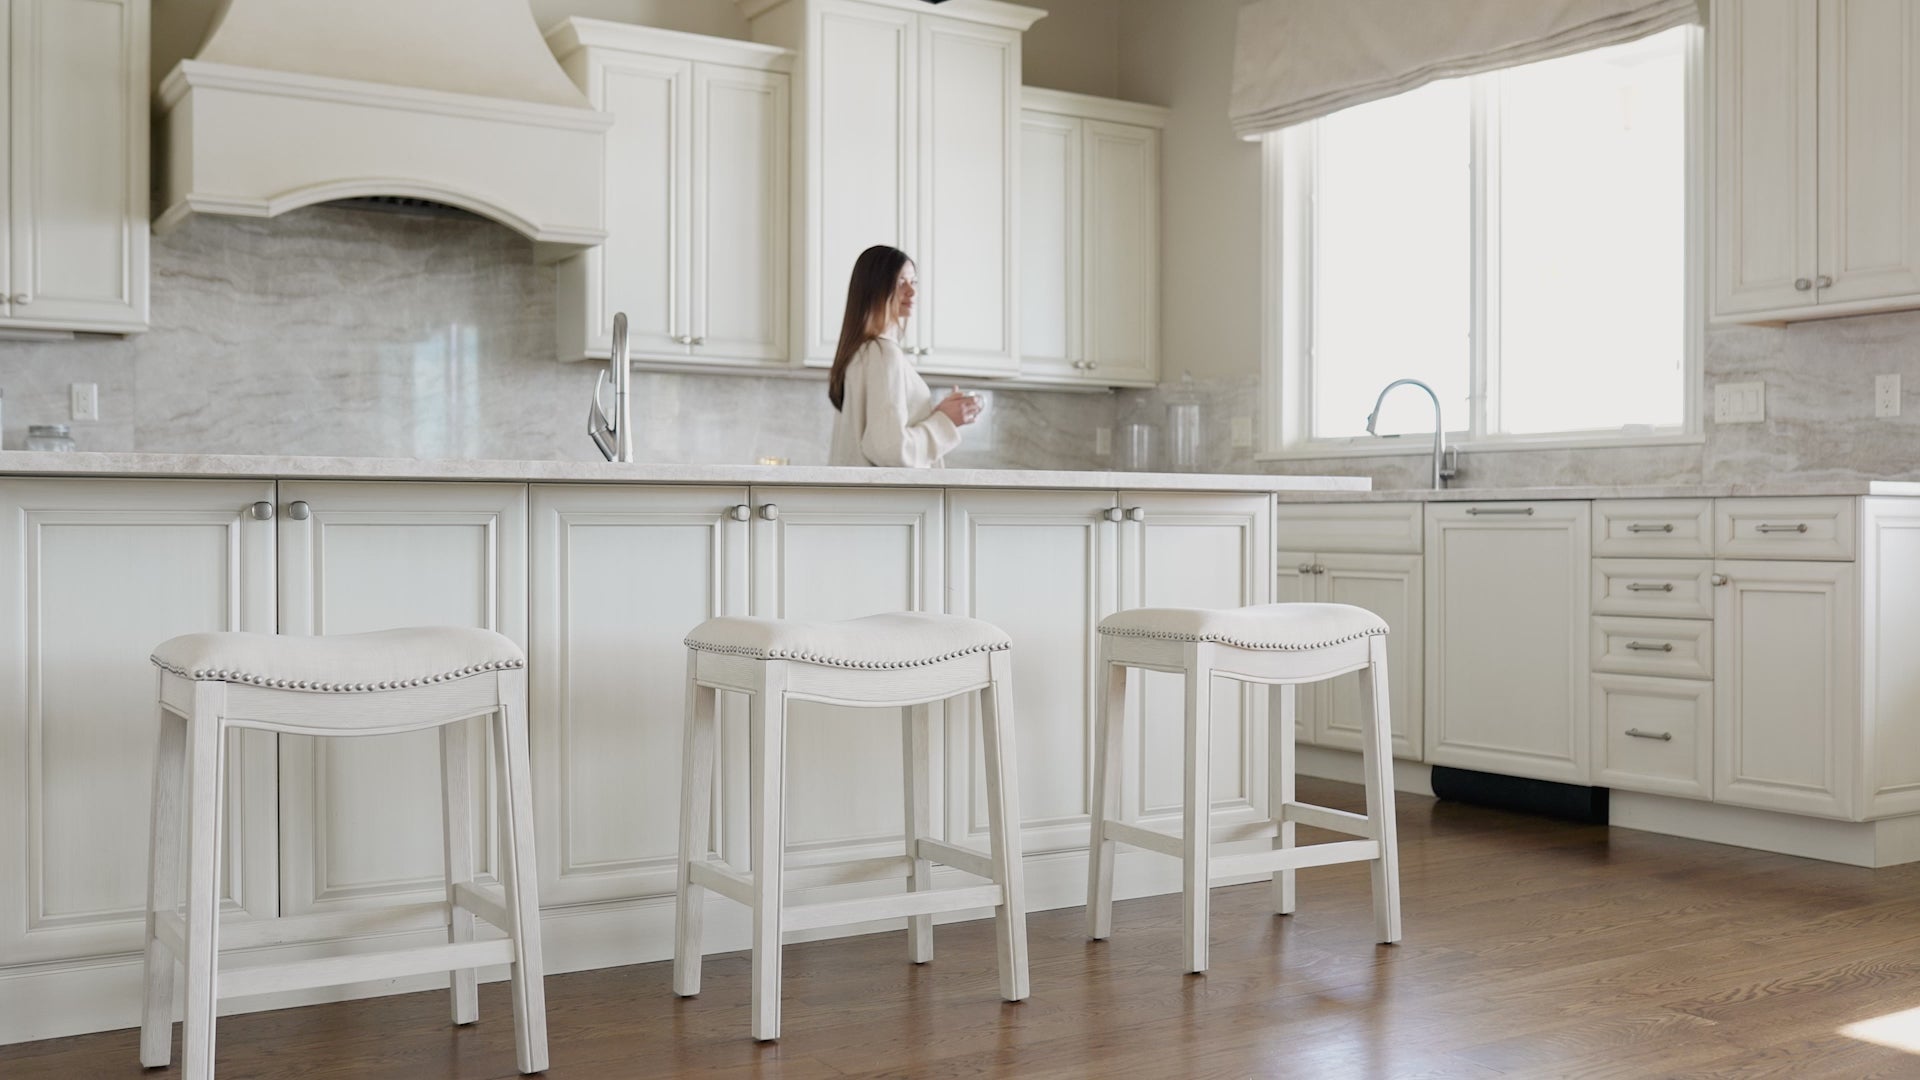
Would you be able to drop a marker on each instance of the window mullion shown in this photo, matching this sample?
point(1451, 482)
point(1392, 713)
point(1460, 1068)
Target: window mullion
point(1484, 347)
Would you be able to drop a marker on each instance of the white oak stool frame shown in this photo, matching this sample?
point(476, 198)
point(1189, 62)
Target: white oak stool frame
point(197, 710)
point(772, 685)
point(1283, 667)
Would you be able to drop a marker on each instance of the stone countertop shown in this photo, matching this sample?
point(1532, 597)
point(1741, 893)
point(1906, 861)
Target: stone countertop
point(268, 467)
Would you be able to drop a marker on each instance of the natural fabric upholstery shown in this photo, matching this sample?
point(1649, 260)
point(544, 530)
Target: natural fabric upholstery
point(894, 640)
point(1284, 627)
point(1296, 60)
point(340, 663)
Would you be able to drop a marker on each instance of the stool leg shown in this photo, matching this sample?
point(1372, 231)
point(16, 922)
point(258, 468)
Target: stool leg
point(767, 763)
point(1109, 738)
point(519, 872)
point(1197, 832)
point(919, 818)
point(1003, 824)
point(696, 810)
point(456, 821)
point(1283, 713)
point(206, 761)
point(163, 889)
point(1377, 759)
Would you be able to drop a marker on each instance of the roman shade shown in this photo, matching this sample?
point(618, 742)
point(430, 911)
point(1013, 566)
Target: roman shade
point(1295, 60)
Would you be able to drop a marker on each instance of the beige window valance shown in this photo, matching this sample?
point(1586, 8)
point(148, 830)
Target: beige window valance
point(1295, 60)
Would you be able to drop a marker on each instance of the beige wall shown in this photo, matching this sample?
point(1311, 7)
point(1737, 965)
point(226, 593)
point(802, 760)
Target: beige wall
point(1179, 53)
point(1076, 47)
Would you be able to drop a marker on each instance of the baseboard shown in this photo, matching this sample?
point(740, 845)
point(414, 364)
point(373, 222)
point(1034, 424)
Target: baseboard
point(1886, 842)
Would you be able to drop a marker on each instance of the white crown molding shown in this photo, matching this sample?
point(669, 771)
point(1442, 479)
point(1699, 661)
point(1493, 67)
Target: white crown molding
point(1089, 107)
point(570, 35)
point(991, 12)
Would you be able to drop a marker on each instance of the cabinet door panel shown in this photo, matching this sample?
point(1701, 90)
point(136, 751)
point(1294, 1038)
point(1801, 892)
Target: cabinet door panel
point(1766, 201)
point(1653, 735)
point(1294, 583)
point(969, 87)
point(646, 261)
point(78, 221)
point(621, 575)
point(1049, 244)
point(739, 280)
point(841, 554)
point(360, 818)
point(1785, 686)
point(1195, 551)
point(1390, 587)
point(1869, 149)
point(1506, 639)
point(1123, 251)
point(97, 573)
point(1039, 565)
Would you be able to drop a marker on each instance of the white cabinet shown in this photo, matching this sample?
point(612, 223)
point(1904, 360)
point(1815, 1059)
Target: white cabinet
point(360, 818)
point(1391, 587)
point(1506, 642)
point(93, 575)
point(907, 125)
point(620, 574)
point(1089, 239)
point(1817, 153)
point(76, 140)
point(696, 198)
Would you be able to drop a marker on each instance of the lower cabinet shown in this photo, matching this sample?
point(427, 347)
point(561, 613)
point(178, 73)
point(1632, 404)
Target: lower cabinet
point(1654, 734)
point(1390, 586)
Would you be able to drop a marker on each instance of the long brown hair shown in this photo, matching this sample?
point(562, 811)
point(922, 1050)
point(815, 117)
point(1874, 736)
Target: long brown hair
point(875, 273)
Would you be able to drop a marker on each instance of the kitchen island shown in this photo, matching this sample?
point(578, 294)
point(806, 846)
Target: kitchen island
point(598, 570)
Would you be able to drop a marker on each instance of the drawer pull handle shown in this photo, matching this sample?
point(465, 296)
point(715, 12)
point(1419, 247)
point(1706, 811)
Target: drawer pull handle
point(1663, 736)
point(1526, 511)
point(1799, 528)
point(1641, 586)
point(1667, 527)
point(1641, 646)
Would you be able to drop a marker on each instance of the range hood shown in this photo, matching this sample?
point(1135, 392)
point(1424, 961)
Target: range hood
point(292, 102)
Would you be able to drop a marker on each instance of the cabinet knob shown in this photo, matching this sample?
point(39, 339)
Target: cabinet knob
point(741, 512)
point(1824, 281)
point(20, 298)
point(1113, 513)
point(1718, 579)
point(697, 341)
point(261, 511)
point(298, 510)
point(684, 339)
point(1802, 284)
point(1136, 513)
point(1093, 365)
point(769, 511)
point(1318, 569)
point(1306, 568)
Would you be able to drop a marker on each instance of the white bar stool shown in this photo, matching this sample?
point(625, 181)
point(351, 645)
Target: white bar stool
point(1280, 645)
point(353, 684)
point(904, 660)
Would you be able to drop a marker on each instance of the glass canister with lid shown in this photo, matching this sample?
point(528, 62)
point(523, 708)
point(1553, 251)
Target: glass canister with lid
point(50, 438)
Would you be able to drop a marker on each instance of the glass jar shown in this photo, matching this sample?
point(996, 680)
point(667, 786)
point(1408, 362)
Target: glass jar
point(53, 438)
point(1183, 427)
point(1137, 449)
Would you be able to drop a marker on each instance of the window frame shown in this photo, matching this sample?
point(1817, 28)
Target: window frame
point(1286, 371)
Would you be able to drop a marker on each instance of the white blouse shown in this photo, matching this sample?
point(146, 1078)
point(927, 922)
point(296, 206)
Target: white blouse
point(886, 415)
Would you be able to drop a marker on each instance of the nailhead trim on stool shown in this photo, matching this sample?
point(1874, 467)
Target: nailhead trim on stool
point(205, 675)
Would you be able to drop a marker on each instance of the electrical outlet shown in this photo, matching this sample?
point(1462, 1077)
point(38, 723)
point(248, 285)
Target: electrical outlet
point(1102, 441)
point(85, 401)
point(1740, 403)
point(1241, 428)
point(1886, 395)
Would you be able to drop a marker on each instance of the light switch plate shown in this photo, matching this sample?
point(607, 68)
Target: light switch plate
point(1102, 441)
point(1740, 403)
point(85, 401)
point(1886, 395)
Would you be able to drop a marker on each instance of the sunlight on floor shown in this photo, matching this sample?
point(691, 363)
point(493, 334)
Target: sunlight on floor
point(1900, 1030)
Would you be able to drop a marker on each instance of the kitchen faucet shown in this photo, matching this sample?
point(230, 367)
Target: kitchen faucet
point(613, 435)
point(1445, 458)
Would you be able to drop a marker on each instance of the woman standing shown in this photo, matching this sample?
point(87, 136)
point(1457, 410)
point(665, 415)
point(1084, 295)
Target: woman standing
point(886, 413)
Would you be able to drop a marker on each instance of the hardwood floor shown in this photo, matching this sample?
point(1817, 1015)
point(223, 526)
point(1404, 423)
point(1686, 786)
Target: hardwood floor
point(1533, 949)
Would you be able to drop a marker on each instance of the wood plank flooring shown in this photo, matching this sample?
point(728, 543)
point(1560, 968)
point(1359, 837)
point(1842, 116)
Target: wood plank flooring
point(1533, 949)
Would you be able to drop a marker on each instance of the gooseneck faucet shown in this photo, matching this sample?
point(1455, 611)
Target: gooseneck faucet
point(1443, 460)
point(613, 435)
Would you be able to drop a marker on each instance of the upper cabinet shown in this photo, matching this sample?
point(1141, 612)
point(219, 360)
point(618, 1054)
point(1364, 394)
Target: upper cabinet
point(75, 230)
point(906, 127)
point(1089, 239)
point(1817, 158)
point(697, 199)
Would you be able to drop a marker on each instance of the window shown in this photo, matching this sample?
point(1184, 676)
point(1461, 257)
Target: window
point(1523, 241)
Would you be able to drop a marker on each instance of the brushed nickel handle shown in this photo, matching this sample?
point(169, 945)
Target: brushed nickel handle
point(1641, 586)
point(298, 510)
point(1136, 513)
point(1663, 736)
point(1639, 528)
point(741, 512)
point(1799, 528)
point(1824, 281)
point(1718, 579)
point(769, 511)
point(1802, 284)
point(1524, 511)
point(261, 511)
point(1113, 513)
point(1641, 646)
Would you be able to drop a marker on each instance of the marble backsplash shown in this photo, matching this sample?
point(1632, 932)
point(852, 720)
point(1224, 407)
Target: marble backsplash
point(334, 331)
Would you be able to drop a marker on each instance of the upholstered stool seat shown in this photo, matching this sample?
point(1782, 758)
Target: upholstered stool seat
point(347, 685)
point(1281, 646)
point(903, 661)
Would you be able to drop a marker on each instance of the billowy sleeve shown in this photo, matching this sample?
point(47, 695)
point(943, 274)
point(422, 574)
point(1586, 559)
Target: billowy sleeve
point(894, 436)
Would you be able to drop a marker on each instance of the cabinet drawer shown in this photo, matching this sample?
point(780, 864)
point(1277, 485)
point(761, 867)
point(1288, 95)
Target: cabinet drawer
point(1653, 528)
point(1667, 588)
point(1653, 734)
point(1366, 528)
point(1783, 528)
point(1675, 648)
